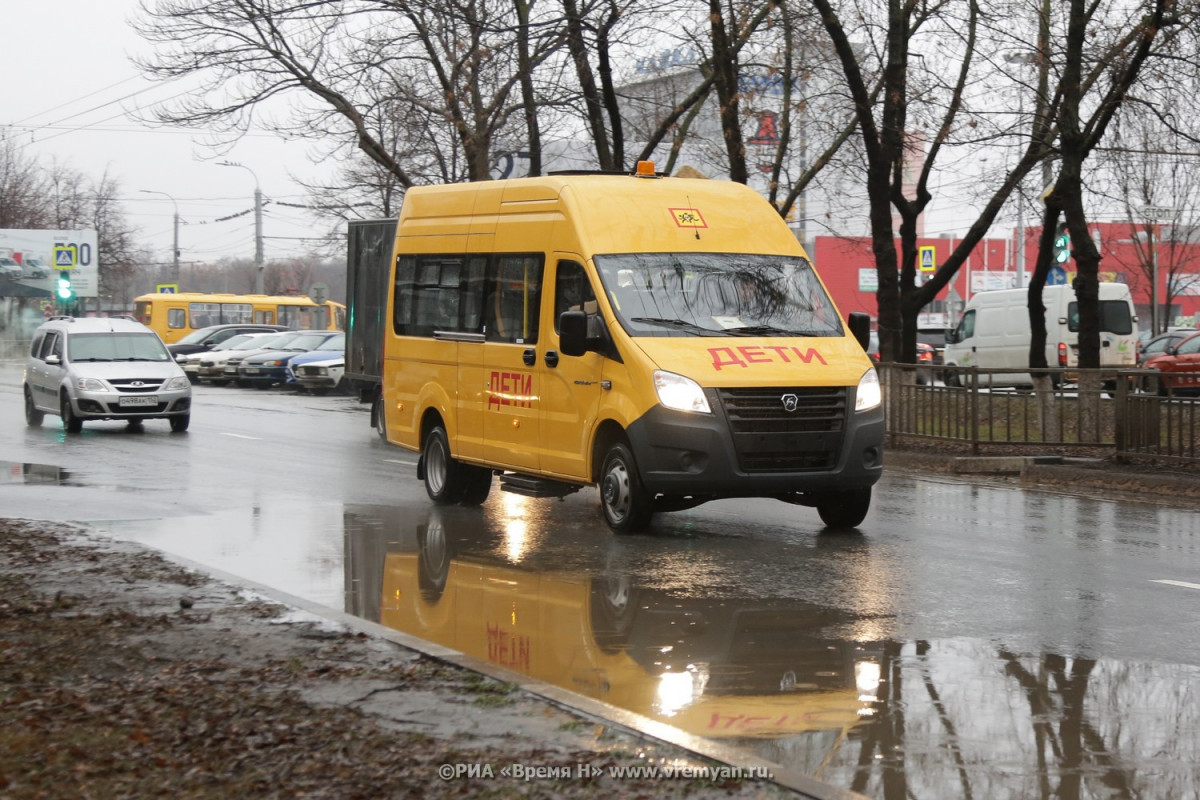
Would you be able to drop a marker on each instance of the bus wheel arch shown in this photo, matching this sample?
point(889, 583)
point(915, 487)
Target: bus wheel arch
point(624, 502)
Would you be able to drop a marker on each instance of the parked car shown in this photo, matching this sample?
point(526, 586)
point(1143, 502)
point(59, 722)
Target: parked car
point(1179, 364)
point(208, 338)
point(191, 361)
point(925, 357)
point(103, 368)
point(1153, 345)
point(229, 372)
point(265, 369)
point(333, 346)
point(212, 363)
point(320, 377)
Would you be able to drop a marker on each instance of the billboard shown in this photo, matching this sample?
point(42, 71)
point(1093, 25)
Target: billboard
point(33, 259)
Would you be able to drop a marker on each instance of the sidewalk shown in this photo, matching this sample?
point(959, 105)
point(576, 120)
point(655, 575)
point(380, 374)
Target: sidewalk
point(123, 674)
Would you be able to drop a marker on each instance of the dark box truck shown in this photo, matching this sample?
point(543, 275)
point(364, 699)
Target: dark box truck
point(368, 268)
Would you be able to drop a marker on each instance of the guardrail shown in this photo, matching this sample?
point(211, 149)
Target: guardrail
point(1128, 414)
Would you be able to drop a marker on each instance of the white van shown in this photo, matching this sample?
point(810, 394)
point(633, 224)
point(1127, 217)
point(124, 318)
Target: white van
point(994, 332)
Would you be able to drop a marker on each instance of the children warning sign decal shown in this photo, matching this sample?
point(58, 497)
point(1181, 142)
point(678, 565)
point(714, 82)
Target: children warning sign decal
point(688, 218)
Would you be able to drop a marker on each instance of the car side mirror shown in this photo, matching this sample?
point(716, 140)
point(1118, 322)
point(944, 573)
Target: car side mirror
point(860, 327)
point(53, 359)
point(572, 333)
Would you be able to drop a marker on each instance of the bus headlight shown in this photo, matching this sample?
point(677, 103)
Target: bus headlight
point(869, 394)
point(680, 393)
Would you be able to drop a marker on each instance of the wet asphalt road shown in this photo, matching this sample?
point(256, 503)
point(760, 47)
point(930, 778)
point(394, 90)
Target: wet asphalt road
point(969, 640)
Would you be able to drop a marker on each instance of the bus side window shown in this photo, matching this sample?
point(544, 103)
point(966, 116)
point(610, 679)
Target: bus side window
point(514, 305)
point(573, 292)
point(176, 318)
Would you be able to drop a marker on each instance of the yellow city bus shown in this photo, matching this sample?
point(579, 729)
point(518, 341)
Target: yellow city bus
point(173, 316)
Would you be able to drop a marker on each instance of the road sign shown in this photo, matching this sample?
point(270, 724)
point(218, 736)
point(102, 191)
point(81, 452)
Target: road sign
point(319, 293)
point(928, 259)
point(65, 256)
point(1056, 276)
point(167, 288)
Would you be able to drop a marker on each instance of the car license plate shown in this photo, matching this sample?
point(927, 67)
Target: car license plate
point(139, 400)
point(251, 370)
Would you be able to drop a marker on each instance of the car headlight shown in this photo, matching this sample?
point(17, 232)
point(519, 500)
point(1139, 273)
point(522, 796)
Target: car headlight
point(680, 393)
point(275, 363)
point(180, 382)
point(869, 394)
point(91, 385)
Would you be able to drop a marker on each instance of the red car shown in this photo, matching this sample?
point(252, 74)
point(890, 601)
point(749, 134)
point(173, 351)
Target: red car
point(1179, 364)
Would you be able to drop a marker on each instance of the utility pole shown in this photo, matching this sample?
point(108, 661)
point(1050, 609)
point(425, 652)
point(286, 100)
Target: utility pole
point(175, 248)
point(258, 229)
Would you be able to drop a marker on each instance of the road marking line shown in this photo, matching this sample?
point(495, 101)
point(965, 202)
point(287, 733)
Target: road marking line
point(1184, 584)
point(239, 436)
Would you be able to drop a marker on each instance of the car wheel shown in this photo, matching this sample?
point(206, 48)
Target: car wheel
point(624, 502)
point(846, 509)
point(443, 480)
point(33, 415)
point(180, 423)
point(72, 423)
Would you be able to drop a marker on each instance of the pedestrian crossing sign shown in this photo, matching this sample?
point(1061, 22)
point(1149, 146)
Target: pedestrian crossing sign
point(928, 259)
point(65, 256)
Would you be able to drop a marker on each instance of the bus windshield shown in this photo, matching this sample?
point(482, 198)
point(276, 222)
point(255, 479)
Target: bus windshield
point(717, 294)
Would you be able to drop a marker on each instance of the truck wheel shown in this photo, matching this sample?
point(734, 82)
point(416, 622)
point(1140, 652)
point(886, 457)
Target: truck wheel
point(624, 502)
point(443, 476)
point(845, 509)
point(72, 423)
point(33, 416)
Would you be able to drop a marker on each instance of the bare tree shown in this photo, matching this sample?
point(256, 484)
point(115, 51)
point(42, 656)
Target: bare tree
point(23, 196)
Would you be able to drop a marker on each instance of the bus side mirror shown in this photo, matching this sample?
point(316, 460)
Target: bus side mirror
point(572, 333)
point(860, 327)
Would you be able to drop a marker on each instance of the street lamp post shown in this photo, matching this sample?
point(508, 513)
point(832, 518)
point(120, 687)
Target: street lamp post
point(258, 232)
point(175, 249)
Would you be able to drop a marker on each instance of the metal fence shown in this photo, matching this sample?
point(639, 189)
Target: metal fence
point(1127, 414)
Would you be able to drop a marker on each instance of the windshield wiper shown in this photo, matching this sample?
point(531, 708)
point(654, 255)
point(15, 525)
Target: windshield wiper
point(766, 330)
point(677, 323)
point(91, 358)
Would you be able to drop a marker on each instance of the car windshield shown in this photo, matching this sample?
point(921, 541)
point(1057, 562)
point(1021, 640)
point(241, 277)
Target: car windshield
point(270, 341)
point(717, 294)
point(233, 342)
point(306, 341)
point(116, 347)
point(196, 337)
point(334, 343)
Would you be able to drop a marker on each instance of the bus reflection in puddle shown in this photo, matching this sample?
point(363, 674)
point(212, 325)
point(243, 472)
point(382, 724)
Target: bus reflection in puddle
point(721, 668)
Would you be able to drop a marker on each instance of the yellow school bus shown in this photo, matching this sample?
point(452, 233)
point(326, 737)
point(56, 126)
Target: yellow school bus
point(173, 316)
point(665, 339)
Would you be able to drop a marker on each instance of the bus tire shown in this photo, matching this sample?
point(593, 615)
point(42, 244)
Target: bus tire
point(477, 484)
point(844, 509)
point(625, 503)
point(377, 417)
point(443, 475)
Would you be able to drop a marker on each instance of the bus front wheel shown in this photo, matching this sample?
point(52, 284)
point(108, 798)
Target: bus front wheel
point(625, 503)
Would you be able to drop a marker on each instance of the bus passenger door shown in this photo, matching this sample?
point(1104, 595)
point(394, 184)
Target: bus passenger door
point(511, 436)
point(570, 386)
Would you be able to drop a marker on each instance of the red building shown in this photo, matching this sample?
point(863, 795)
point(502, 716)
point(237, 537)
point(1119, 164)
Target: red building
point(848, 269)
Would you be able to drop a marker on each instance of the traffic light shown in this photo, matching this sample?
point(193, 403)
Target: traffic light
point(65, 292)
point(1062, 244)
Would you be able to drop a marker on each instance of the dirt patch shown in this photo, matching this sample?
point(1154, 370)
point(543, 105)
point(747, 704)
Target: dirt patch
point(124, 675)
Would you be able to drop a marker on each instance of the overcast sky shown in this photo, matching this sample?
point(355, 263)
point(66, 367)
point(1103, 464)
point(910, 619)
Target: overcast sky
point(68, 101)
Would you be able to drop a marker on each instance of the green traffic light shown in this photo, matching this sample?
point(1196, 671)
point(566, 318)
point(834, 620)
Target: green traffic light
point(65, 292)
